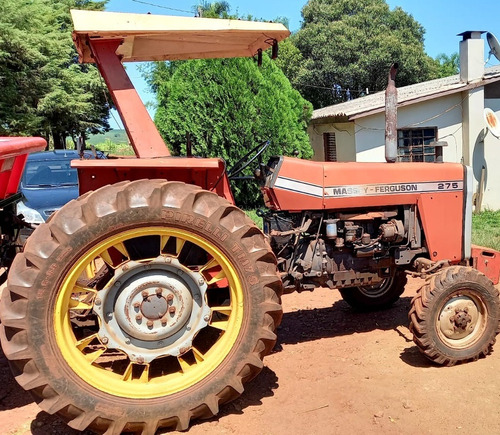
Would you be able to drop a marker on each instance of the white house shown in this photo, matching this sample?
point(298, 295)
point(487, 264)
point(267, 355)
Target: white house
point(449, 110)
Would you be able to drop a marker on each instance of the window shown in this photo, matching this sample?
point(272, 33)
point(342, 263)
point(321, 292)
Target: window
point(415, 145)
point(330, 147)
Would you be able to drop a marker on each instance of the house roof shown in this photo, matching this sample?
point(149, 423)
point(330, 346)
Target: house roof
point(375, 103)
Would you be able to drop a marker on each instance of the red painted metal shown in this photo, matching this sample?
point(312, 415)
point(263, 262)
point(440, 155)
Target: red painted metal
point(209, 174)
point(154, 158)
point(487, 261)
point(142, 132)
point(441, 213)
point(13, 154)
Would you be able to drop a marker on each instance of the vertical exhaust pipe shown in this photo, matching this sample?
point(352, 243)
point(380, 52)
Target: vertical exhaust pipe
point(391, 117)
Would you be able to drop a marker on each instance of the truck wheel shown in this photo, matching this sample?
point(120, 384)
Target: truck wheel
point(141, 305)
point(378, 296)
point(455, 316)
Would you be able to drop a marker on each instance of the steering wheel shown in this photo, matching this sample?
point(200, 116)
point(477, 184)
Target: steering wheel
point(243, 163)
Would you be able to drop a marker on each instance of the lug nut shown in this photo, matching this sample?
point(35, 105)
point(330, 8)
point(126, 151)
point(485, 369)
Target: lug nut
point(170, 297)
point(149, 323)
point(144, 294)
point(137, 304)
point(97, 301)
point(201, 281)
point(138, 317)
point(171, 310)
point(159, 291)
point(163, 321)
point(104, 340)
point(206, 318)
point(140, 360)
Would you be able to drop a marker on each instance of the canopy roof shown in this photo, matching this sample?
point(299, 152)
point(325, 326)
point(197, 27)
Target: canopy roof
point(162, 37)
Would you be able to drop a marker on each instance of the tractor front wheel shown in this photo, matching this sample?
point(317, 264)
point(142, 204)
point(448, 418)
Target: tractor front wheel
point(455, 316)
point(141, 305)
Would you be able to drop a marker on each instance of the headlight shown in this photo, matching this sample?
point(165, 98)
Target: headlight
point(30, 215)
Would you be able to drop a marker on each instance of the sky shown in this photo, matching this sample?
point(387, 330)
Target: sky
point(442, 20)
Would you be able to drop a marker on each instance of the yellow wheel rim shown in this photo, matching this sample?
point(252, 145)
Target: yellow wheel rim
point(143, 283)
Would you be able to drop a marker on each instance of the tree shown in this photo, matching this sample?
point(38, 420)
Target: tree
point(46, 91)
point(350, 45)
point(228, 106)
point(213, 10)
point(447, 65)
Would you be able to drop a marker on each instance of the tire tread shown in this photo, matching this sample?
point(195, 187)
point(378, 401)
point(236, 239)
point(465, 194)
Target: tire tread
point(89, 208)
point(420, 313)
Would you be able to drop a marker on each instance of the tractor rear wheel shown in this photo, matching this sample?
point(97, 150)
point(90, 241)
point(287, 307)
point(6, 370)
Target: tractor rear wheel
point(455, 316)
point(378, 296)
point(141, 305)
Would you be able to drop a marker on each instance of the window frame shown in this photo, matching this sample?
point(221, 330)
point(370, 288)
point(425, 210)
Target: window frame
point(327, 143)
point(413, 134)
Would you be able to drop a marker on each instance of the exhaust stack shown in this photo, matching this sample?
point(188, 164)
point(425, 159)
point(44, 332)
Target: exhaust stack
point(391, 116)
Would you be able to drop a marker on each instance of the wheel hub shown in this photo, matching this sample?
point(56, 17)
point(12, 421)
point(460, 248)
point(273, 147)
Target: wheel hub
point(458, 318)
point(461, 319)
point(152, 309)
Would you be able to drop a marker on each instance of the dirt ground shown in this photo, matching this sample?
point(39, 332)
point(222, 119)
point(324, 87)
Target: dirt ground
point(333, 371)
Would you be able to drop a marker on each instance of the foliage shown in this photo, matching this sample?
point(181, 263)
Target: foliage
point(351, 44)
point(447, 65)
point(206, 9)
point(486, 229)
point(252, 214)
point(112, 142)
point(111, 148)
point(44, 90)
point(116, 136)
point(228, 106)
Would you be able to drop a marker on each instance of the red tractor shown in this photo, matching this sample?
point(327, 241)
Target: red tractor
point(152, 299)
point(13, 155)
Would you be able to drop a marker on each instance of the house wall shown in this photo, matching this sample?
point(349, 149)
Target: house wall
point(344, 135)
point(444, 113)
point(488, 154)
point(363, 140)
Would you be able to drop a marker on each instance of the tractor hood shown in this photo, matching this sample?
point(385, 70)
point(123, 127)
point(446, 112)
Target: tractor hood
point(161, 37)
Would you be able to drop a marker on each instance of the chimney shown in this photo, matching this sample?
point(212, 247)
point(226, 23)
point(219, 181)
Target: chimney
point(471, 56)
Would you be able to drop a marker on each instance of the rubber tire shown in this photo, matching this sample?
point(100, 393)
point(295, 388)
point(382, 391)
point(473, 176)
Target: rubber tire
point(358, 299)
point(27, 307)
point(428, 303)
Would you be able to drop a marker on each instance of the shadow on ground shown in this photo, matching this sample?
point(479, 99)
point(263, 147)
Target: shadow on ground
point(297, 327)
point(11, 394)
point(341, 320)
point(261, 387)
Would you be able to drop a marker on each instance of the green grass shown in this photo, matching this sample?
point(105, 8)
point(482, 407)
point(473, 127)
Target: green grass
point(486, 229)
point(113, 142)
point(114, 136)
point(252, 214)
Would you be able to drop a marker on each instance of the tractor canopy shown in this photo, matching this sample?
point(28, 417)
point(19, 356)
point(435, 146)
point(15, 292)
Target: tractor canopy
point(161, 37)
